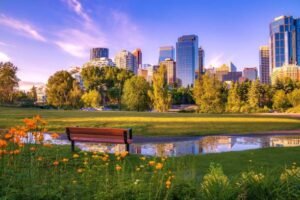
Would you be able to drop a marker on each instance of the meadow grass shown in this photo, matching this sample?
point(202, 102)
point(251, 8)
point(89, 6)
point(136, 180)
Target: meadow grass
point(153, 124)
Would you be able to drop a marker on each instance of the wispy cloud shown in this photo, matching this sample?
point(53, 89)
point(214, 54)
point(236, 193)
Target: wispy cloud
point(4, 57)
point(77, 7)
point(22, 28)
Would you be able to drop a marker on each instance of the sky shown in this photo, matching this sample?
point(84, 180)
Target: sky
point(43, 36)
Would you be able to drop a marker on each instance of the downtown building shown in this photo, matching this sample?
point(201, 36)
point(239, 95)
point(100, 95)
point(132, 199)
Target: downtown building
point(99, 53)
point(284, 45)
point(201, 56)
point(264, 64)
point(138, 58)
point(170, 65)
point(126, 60)
point(250, 73)
point(166, 52)
point(187, 59)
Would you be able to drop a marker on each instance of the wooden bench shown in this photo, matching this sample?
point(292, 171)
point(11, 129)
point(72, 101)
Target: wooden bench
point(101, 135)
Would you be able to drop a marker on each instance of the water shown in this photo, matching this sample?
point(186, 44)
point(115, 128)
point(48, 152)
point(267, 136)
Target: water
point(191, 146)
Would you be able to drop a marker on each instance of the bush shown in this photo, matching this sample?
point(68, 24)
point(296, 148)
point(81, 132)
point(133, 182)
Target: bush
point(183, 191)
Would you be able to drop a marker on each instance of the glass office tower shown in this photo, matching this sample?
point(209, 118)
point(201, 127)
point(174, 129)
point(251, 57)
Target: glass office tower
point(187, 59)
point(99, 53)
point(166, 52)
point(285, 41)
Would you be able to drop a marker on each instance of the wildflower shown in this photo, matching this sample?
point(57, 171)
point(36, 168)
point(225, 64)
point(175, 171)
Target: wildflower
point(3, 143)
point(138, 169)
point(136, 181)
point(168, 184)
point(151, 163)
point(75, 155)
point(17, 151)
point(79, 170)
point(159, 166)
point(55, 163)
point(142, 166)
point(54, 136)
point(8, 136)
point(124, 154)
point(118, 167)
point(47, 145)
point(143, 158)
point(32, 148)
point(104, 158)
point(95, 156)
point(250, 160)
point(40, 158)
point(85, 163)
point(117, 153)
point(74, 181)
point(65, 160)
point(118, 158)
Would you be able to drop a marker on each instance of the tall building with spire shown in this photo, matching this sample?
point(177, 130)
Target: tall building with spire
point(264, 64)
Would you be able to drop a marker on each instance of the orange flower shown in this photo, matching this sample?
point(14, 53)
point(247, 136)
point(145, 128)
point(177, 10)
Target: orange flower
point(54, 135)
point(17, 151)
point(118, 167)
point(124, 154)
point(168, 184)
point(159, 166)
point(32, 148)
point(3, 143)
point(8, 136)
point(104, 158)
point(55, 163)
point(151, 163)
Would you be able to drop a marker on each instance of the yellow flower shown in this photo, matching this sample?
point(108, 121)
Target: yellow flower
point(159, 166)
point(55, 163)
point(118, 167)
point(124, 154)
point(151, 163)
point(143, 158)
point(104, 158)
point(32, 148)
point(168, 184)
point(65, 160)
point(79, 170)
point(75, 155)
point(40, 158)
point(138, 169)
point(117, 153)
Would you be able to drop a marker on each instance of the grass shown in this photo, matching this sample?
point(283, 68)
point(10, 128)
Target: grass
point(153, 124)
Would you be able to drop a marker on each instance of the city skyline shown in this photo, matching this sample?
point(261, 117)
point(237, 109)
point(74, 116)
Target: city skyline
point(59, 34)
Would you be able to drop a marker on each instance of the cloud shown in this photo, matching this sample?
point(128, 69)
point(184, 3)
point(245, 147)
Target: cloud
point(77, 7)
point(4, 57)
point(22, 27)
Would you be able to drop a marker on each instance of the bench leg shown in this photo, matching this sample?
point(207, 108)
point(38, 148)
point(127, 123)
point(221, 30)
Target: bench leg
point(127, 147)
point(73, 146)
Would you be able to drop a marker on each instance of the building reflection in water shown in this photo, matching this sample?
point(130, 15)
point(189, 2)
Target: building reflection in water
point(204, 145)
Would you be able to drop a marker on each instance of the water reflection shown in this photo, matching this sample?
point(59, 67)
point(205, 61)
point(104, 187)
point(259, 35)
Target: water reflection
point(204, 145)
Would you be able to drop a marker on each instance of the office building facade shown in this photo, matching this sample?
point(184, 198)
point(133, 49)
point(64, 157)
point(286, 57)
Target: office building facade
point(126, 60)
point(264, 64)
point(138, 58)
point(250, 73)
point(166, 52)
point(187, 59)
point(201, 56)
point(99, 53)
point(171, 70)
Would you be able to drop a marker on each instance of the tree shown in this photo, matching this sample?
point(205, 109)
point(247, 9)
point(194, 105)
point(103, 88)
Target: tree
point(33, 93)
point(294, 97)
point(91, 99)
point(8, 81)
point(207, 94)
point(254, 96)
point(160, 96)
point(60, 89)
point(75, 95)
point(135, 95)
point(280, 100)
point(233, 100)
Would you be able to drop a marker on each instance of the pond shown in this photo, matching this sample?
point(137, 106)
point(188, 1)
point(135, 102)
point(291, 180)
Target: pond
point(176, 146)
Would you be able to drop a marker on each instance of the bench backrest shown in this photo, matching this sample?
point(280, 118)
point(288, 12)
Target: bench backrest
point(80, 132)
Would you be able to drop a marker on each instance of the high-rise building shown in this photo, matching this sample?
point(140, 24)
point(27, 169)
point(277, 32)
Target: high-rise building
point(126, 60)
point(264, 64)
point(99, 53)
point(250, 73)
point(100, 62)
point(166, 52)
point(284, 41)
point(233, 67)
point(187, 59)
point(288, 70)
point(138, 57)
point(171, 70)
point(201, 56)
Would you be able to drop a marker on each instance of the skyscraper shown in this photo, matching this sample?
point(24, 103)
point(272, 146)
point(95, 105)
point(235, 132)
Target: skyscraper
point(138, 57)
point(187, 59)
point(285, 41)
point(126, 60)
point(171, 70)
point(99, 53)
point(250, 73)
point(201, 56)
point(166, 52)
point(264, 64)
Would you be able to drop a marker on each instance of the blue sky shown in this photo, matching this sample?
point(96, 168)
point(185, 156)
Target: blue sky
point(43, 36)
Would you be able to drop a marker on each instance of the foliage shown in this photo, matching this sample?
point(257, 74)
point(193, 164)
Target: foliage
point(254, 96)
point(160, 96)
point(233, 101)
point(62, 90)
point(91, 98)
point(182, 96)
point(294, 97)
point(207, 94)
point(135, 95)
point(8, 81)
point(280, 100)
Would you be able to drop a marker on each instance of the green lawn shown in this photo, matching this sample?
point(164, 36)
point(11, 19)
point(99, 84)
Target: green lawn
point(153, 124)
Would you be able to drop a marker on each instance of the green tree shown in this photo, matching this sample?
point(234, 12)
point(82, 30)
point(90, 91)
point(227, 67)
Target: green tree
point(207, 94)
point(159, 95)
point(294, 97)
point(59, 89)
point(254, 96)
point(75, 95)
point(135, 96)
point(33, 93)
point(91, 99)
point(233, 100)
point(280, 100)
point(8, 81)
